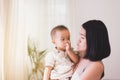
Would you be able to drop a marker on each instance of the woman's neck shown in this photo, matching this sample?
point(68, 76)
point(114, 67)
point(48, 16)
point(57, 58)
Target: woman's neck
point(82, 54)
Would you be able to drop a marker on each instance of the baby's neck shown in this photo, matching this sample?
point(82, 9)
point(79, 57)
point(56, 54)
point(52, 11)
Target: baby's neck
point(60, 50)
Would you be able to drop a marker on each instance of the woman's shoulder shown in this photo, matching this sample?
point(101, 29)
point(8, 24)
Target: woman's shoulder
point(97, 67)
point(97, 64)
point(93, 71)
point(93, 64)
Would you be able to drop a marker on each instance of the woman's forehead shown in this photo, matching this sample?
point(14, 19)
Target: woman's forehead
point(82, 31)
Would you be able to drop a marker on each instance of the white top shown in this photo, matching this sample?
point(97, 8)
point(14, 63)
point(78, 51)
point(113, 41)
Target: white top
point(80, 69)
point(84, 64)
point(62, 65)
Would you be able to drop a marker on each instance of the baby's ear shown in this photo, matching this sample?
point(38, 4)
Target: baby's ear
point(53, 41)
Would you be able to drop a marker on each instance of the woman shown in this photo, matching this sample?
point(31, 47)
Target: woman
point(93, 47)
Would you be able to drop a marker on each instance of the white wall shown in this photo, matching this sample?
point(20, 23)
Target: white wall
point(109, 12)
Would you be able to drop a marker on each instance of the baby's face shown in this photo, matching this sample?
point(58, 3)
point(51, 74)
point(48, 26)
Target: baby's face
point(61, 39)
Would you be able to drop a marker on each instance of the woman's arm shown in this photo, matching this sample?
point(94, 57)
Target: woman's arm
point(47, 73)
point(93, 71)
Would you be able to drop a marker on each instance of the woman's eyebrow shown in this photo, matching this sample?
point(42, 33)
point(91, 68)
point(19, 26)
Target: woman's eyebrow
point(82, 34)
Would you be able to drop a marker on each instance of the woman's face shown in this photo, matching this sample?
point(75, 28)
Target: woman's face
point(82, 44)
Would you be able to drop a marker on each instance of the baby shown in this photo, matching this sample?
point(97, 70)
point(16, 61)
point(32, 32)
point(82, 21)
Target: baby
point(59, 63)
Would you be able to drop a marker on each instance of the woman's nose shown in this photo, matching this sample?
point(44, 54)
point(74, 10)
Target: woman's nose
point(78, 41)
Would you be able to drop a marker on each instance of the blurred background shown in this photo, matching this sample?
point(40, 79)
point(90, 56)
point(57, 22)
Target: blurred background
point(34, 19)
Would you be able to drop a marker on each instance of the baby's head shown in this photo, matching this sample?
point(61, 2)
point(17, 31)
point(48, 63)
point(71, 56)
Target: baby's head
point(58, 28)
point(60, 36)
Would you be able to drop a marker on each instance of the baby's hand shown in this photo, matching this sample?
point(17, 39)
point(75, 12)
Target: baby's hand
point(68, 45)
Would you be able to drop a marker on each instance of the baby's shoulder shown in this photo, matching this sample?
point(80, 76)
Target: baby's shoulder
point(51, 53)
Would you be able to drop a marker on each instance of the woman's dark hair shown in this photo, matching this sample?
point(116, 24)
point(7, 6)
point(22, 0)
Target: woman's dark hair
point(98, 46)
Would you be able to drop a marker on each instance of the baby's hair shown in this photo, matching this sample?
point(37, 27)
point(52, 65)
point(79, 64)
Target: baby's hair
point(57, 28)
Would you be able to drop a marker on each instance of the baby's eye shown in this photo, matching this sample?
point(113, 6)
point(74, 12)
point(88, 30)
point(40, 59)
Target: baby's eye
point(68, 38)
point(62, 39)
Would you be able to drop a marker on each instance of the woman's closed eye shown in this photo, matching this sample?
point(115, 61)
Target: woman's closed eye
point(82, 37)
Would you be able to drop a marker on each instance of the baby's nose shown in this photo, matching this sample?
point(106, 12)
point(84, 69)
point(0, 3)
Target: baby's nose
point(66, 41)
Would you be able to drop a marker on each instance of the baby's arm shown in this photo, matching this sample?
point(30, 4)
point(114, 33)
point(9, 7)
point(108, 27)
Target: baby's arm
point(73, 56)
point(47, 72)
point(49, 62)
point(71, 53)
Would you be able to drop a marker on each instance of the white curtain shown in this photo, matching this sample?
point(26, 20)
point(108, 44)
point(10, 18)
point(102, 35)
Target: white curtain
point(20, 19)
point(1, 45)
point(43, 15)
point(14, 40)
